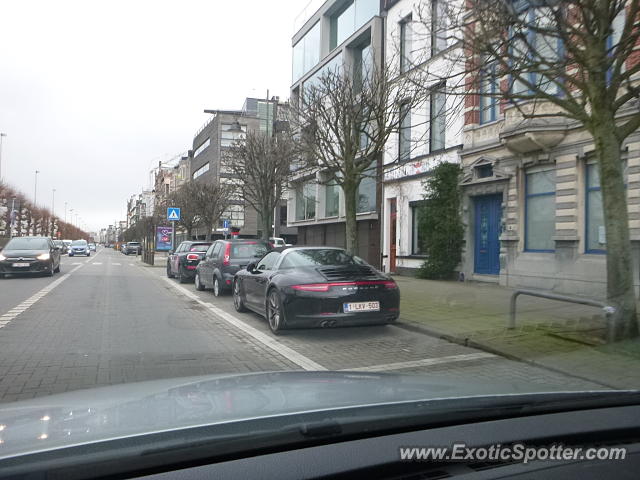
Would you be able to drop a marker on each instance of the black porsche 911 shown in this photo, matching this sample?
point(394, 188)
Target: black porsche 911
point(315, 287)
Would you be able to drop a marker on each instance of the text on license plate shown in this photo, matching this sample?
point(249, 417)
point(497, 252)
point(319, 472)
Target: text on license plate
point(361, 307)
point(20, 265)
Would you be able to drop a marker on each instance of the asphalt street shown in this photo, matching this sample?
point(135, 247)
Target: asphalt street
point(108, 319)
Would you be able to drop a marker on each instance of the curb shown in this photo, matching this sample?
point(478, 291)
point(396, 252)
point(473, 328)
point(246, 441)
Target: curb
point(419, 328)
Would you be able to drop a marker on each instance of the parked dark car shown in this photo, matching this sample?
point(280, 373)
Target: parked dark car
point(183, 262)
point(132, 248)
point(223, 259)
point(316, 287)
point(79, 247)
point(29, 255)
point(62, 246)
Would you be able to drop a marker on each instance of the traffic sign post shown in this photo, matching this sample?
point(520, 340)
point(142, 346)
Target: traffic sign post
point(225, 227)
point(173, 215)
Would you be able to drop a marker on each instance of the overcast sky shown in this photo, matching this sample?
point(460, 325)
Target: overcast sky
point(93, 94)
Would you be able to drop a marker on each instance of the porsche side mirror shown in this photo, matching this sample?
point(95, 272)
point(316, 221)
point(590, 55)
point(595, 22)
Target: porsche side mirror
point(251, 267)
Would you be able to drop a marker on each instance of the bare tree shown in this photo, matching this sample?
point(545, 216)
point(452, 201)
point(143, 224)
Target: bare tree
point(210, 201)
point(345, 120)
point(261, 164)
point(185, 198)
point(570, 62)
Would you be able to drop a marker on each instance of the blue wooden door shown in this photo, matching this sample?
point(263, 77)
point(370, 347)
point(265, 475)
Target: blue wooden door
point(487, 232)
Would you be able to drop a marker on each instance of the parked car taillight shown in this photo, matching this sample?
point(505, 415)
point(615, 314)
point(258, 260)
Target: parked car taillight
point(227, 255)
point(193, 256)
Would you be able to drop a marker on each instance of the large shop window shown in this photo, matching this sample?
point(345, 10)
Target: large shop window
point(306, 201)
point(540, 211)
point(332, 199)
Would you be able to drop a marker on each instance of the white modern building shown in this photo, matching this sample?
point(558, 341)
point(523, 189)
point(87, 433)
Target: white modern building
point(430, 133)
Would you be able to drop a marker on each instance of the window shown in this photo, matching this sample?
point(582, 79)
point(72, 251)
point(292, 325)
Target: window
point(546, 49)
point(306, 53)
point(366, 201)
point(228, 135)
point(484, 171)
point(540, 214)
point(268, 261)
point(332, 67)
point(202, 147)
point(404, 140)
point(306, 201)
point(437, 119)
point(417, 242)
point(488, 94)
point(351, 18)
point(363, 65)
point(438, 30)
point(405, 44)
point(235, 215)
point(201, 171)
point(595, 241)
point(283, 214)
point(332, 199)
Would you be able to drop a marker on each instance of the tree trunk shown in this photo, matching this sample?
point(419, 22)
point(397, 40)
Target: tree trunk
point(265, 224)
point(351, 224)
point(620, 291)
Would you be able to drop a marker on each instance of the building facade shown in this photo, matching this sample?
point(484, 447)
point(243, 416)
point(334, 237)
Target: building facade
point(532, 204)
point(223, 129)
point(430, 133)
point(340, 34)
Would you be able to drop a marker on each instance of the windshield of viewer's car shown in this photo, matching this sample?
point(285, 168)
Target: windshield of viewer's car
point(27, 244)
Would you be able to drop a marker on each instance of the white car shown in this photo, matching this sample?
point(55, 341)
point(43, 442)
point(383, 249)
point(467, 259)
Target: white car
point(278, 242)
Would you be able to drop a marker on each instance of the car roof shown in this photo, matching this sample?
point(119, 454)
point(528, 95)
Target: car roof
point(242, 240)
point(305, 247)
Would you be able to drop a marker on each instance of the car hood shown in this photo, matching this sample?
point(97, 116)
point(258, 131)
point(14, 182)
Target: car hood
point(78, 247)
point(86, 416)
point(23, 253)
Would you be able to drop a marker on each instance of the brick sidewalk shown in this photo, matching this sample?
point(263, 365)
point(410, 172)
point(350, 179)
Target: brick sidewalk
point(560, 336)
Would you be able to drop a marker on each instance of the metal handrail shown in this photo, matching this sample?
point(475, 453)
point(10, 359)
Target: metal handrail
point(607, 310)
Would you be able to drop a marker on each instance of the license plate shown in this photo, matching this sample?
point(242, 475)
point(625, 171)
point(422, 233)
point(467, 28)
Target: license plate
point(361, 307)
point(20, 265)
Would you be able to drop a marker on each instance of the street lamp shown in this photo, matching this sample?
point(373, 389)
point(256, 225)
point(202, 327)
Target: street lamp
point(1, 136)
point(65, 212)
point(35, 190)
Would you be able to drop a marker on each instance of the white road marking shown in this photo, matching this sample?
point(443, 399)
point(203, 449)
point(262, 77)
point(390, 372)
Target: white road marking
point(29, 302)
point(76, 263)
point(423, 363)
point(118, 264)
point(268, 341)
point(97, 263)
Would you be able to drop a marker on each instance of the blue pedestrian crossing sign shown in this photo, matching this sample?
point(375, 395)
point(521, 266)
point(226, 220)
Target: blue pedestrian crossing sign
point(173, 214)
point(225, 224)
